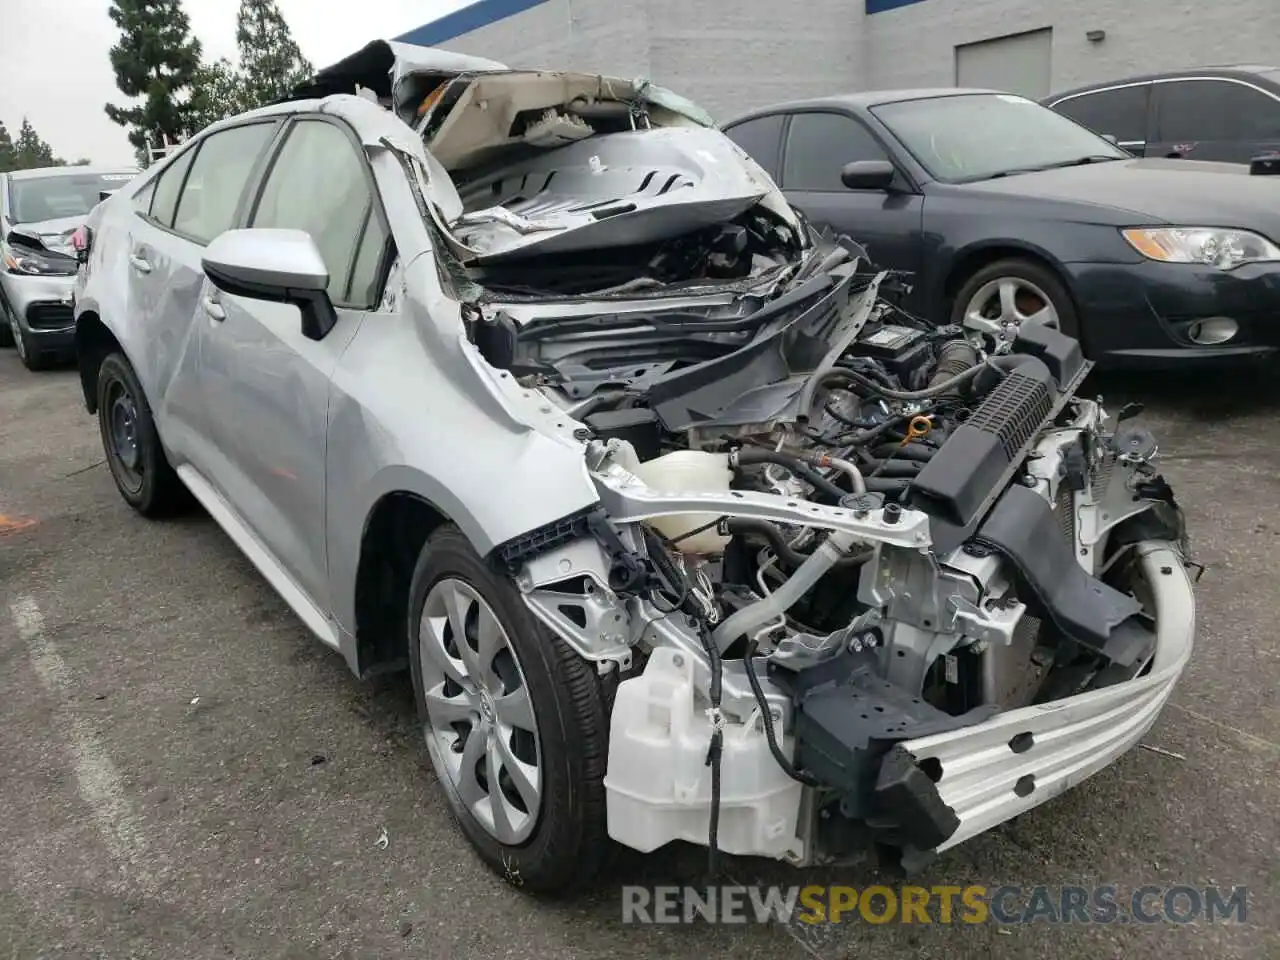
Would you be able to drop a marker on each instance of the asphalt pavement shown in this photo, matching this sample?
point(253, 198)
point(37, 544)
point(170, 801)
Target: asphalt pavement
point(185, 772)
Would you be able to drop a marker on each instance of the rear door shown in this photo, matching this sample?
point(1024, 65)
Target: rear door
point(267, 383)
point(1121, 112)
point(1214, 119)
point(195, 198)
point(816, 147)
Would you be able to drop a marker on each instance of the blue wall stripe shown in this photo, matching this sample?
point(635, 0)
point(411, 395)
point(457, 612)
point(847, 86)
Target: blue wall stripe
point(880, 6)
point(477, 15)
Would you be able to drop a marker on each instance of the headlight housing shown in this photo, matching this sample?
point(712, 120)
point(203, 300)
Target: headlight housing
point(37, 263)
point(1215, 246)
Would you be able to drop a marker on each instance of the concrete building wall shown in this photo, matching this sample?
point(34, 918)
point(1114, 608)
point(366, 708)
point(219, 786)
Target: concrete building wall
point(914, 44)
point(731, 57)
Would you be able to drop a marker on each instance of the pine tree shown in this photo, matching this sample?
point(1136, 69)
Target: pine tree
point(30, 151)
point(217, 92)
point(6, 149)
point(270, 62)
point(155, 62)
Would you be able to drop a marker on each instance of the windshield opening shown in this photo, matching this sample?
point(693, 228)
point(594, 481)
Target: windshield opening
point(978, 136)
point(65, 195)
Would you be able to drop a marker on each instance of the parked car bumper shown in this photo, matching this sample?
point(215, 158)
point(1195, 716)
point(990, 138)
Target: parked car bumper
point(993, 771)
point(44, 308)
point(1144, 314)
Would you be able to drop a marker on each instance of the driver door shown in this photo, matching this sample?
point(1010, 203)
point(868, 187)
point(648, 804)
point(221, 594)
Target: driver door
point(269, 383)
point(816, 147)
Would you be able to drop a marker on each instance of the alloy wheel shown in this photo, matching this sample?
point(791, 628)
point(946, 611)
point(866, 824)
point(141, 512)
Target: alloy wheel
point(481, 730)
point(999, 308)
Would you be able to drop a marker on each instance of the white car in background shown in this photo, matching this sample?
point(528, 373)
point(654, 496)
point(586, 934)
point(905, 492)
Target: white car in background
point(40, 210)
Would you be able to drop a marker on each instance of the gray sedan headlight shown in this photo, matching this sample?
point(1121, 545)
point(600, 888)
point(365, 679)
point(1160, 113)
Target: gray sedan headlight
point(1218, 247)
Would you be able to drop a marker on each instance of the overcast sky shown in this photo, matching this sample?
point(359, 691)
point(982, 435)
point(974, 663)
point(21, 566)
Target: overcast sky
point(54, 68)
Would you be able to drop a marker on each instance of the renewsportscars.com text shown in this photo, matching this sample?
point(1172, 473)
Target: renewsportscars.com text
point(1004, 904)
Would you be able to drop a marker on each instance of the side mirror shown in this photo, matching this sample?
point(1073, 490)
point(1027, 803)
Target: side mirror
point(1265, 165)
point(867, 175)
point(281, 266)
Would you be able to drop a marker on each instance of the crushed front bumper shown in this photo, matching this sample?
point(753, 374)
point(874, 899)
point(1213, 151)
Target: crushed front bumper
point(993, 771)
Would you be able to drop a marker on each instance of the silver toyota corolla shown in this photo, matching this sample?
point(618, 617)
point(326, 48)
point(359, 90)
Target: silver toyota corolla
point(39, 212)
point(532, 383)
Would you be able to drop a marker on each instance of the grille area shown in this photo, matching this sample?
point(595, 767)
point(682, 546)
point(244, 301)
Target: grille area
point(50, 316)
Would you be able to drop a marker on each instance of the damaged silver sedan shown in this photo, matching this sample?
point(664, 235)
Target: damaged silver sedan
point(534, 384)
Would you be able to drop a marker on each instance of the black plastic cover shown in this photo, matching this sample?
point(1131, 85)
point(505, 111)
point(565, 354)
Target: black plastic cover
point(1024, 530)
point(1060, 353)
point(957, 484)
point(636, 425)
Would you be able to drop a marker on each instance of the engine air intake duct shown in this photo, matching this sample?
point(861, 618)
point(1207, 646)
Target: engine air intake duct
point(961, 479)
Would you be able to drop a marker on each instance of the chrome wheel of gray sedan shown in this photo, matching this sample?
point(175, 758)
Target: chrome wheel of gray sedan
point(1000, 307)
point(481, 731)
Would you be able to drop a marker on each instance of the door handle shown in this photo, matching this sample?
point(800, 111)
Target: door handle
point(214, 309)
point(140, 263)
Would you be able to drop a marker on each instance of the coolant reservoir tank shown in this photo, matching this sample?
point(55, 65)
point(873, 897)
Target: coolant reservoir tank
point(689, 471)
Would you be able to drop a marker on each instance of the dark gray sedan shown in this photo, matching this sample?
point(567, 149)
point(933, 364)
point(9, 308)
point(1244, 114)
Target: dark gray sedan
point(1006, 213)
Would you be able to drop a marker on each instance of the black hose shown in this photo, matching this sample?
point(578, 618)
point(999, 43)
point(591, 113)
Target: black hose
point(918, 452)
point(766, 716)
point(878, 389)
point(884, 429)
point(893, 467)
point(715, 749)
point(755, 455)
point(954, 358)
point(742, 526)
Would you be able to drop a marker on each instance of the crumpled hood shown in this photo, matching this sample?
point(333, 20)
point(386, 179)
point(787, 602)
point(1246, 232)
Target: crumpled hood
point(54, 235)
point(1156, 190)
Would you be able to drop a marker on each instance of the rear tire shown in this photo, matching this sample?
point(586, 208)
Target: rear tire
point(132, 446)
point(560, 761)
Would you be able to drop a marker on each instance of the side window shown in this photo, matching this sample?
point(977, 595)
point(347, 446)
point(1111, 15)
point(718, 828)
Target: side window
point(818, 147)
point(164, 201)
point(1193, 110)
point(1121, 113)
point(218, 176)
point(760, 139)
point(142, 199)
point(318, 184)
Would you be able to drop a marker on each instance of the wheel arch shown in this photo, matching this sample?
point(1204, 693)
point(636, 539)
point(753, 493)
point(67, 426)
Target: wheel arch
point(395, 530)
point(94, 342)
point(974, 257)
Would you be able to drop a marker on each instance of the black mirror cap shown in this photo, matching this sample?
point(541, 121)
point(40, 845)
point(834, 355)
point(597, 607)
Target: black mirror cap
point(868, 175)
point(1265, 165)
point(318, 314)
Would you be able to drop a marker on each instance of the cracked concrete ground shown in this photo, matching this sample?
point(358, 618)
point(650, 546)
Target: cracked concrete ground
point(184, 772)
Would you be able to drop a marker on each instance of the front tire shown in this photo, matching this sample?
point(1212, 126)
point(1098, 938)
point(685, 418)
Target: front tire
point(137, 460)
point(31, 358)
point(998, 299)
point(516, 723)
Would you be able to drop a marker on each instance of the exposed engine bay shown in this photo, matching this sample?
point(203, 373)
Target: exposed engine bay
point(841, 529)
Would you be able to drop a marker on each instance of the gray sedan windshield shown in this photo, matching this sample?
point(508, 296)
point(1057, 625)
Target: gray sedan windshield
point(60, 195)
point(979, 136)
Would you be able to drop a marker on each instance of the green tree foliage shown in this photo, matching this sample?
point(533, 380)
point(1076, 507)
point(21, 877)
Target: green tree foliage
point(28, 151)
point(217, 92)
point(270, 62)
point(155, 61)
